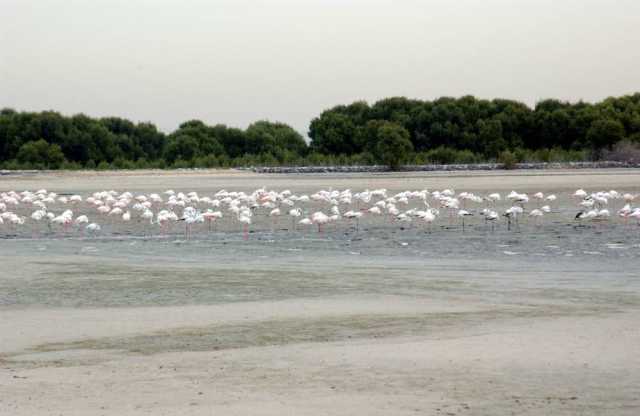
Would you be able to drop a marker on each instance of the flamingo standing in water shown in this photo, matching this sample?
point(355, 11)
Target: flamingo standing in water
point(190, 216)
point(294, 214)
point(537, 214)
point(147, 216)
point(275, 214)
point(375, 210)
point(512, 213)
point(65, 219)
point(81, 220)
point(245, 220)
point(212, 216)
point(635, 214)
point(588, 215)
point(37, 216)
point(306, 222)
point(462, 214)
point(490, 216)
point(164, 218)
point(550, 198)
point(93, 229)
point(624, 212)
point(493, 198)
point(350, 215)
point(319, 218)
point(580, 193)
point(429, 217)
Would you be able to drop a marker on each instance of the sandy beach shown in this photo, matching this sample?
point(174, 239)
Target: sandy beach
point(543, 321)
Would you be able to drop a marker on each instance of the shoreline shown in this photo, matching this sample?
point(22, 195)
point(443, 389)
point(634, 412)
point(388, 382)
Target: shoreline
point(436, 168)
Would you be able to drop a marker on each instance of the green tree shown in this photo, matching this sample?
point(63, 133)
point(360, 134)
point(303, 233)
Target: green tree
point(366, 137)
point(206, 143)
point(55, 157)
point(233, 140)
point(265, 137)
point(442, 129)
point(333, 133)
point(393, 145)
point(605, 133)
point(491, 141)
point(41, 154)
point(183, 148)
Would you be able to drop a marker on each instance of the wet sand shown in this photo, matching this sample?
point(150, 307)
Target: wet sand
point(543, 321)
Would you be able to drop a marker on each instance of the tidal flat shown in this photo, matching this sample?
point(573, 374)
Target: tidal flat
point(383, 319)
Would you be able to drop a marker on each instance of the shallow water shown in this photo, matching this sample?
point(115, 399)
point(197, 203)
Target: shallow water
point(221, 267)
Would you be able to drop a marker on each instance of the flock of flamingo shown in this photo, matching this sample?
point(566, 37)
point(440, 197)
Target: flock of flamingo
point(64, 214)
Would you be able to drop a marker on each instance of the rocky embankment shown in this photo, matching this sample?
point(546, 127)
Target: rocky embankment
point(444, 168)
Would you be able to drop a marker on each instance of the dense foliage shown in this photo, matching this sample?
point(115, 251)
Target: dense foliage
point(391, 131)
point(483, 127)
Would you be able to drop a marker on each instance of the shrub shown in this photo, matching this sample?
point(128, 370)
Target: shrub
point(267, 159)
point(70, 165)
point(316, 159)
point(441, 155)
point(542, 155)
point(13, 165)
point(507, 159)
point(466, 157)
point(523, 155)
point(121, 163)
point(104, 165)
point(182, 164)
point(209, 161)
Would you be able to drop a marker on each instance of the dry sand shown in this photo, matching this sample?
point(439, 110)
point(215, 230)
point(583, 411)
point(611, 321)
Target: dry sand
point(318, 331)
point(206, 180)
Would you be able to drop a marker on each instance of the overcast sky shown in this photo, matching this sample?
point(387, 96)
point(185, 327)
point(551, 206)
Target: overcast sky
point(237, 61)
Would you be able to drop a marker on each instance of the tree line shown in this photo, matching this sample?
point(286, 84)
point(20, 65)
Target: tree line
point(391, 131)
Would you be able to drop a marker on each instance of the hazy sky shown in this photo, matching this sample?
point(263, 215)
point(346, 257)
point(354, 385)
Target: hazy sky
point(237, 61)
